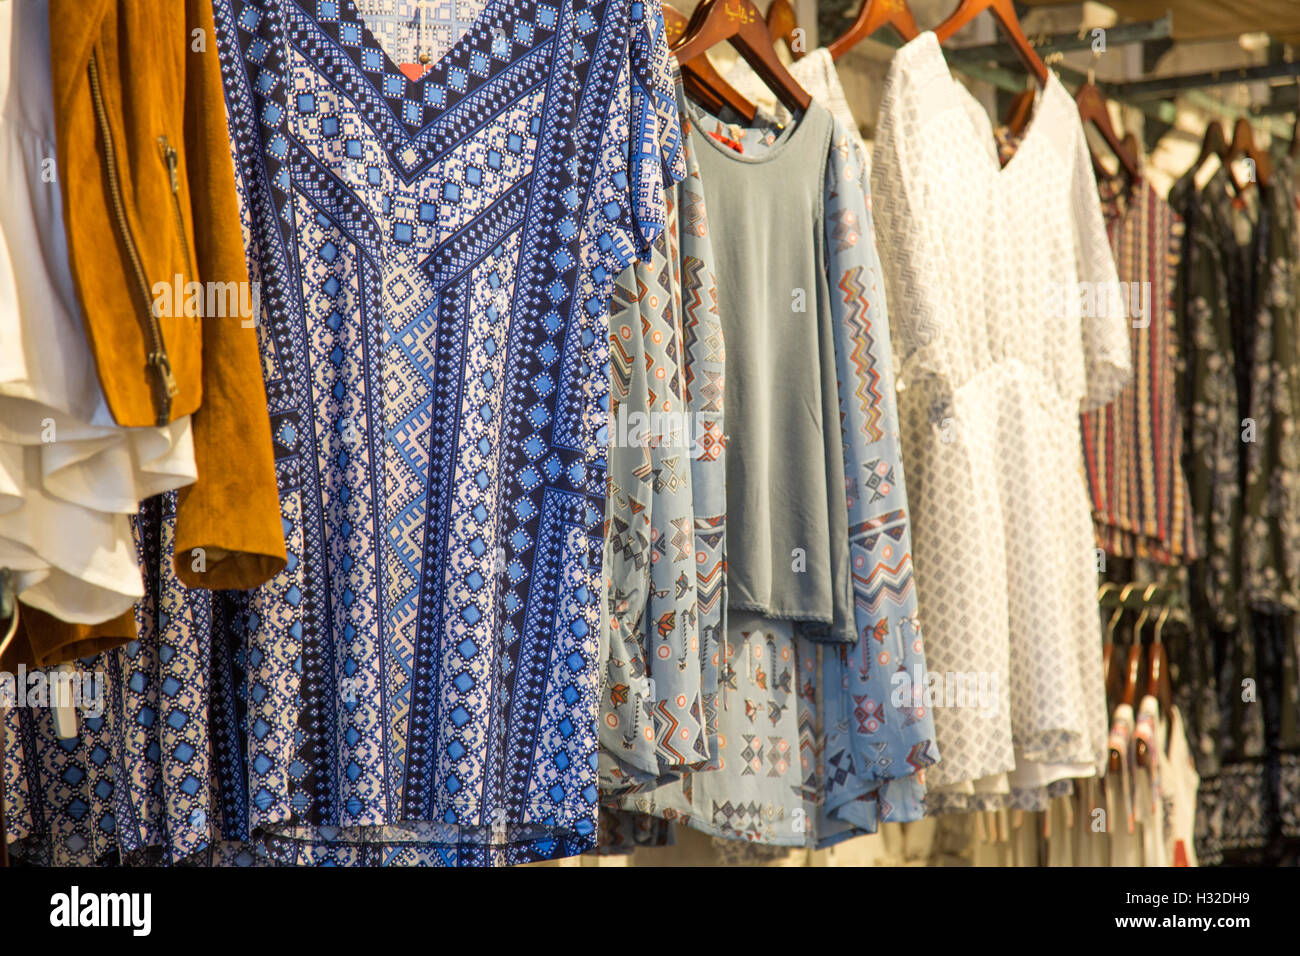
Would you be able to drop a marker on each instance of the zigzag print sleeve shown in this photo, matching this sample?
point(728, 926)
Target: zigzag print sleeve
point(656, 663)
point(873, 726)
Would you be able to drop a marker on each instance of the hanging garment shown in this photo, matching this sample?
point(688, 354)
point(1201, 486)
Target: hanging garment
point(984, 264)
point(1148, 807)
point(1208, 390)
point(155, 245)
point(70, 478)
point(665, 520)
point(419, 684)
point(1178, 786)
point(1121, 794)
point(797, 318)
point(1238, 311)
point(1132, 448)
point(787, 542)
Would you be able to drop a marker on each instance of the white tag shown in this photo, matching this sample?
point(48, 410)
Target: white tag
point(65, 712)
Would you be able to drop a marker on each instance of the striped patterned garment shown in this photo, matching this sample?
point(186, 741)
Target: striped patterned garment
point(1132, 448)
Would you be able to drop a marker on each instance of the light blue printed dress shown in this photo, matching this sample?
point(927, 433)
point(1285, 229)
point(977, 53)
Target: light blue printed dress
point(664, 601)
point(436, 255)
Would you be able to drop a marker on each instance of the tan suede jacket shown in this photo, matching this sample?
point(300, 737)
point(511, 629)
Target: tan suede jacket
point(149, 204)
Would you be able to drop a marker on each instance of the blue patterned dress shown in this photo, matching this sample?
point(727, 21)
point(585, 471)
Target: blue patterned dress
point(435, 256)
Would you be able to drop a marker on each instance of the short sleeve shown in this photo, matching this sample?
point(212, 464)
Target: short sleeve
point(922, 323)
point(641, 145)
point(657, 159)
point(1107, 355)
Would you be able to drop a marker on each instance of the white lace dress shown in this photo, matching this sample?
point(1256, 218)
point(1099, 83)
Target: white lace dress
point(993, 374)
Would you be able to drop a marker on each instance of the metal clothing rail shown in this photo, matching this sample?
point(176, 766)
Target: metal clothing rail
point(1136, 596)
point(1121, 35)
point(1175, 85)
point(1163, 111)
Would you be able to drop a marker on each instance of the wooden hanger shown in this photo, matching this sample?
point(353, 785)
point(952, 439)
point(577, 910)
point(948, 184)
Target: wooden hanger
point(1005, 13)
point(1130, 143)
point(1135, 650)
point(1108, 657)
point(1158, 685)
point(1108, 638)
point(702, 80)
point(782, 24)
point(1022, 107)
point(874, 15)
point(1243, 145)
point(740, 23)
point(1116, 758)
point(1092, 109)
point(1214, 144)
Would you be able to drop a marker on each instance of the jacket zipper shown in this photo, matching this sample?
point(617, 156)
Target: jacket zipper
point(158, 360)
point(172, 161)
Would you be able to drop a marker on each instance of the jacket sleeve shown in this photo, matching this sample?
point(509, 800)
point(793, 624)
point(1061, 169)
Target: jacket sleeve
point(228, 526)
point(43, 640)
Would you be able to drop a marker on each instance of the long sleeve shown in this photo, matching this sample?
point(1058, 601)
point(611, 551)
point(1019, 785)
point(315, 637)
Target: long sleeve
point(228, 525)
point(629, 514)
point(892, 737)
point(656, 664)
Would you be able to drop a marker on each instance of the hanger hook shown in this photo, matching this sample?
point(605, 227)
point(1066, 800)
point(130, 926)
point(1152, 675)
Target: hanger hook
point(1146, 612)
point(1160, 624)
point(1114, 622)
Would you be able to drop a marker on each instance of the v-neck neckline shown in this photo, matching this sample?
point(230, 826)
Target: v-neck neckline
point(418, 103)
point(928, 46)
point(433, 66)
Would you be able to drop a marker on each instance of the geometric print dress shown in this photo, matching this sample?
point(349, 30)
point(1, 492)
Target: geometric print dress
point(664, 601)
point(436, 255)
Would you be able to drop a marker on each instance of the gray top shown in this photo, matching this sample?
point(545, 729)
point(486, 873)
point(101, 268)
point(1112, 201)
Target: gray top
point(787, 534)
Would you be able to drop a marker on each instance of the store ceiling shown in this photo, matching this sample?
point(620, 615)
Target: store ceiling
point(1211, 19)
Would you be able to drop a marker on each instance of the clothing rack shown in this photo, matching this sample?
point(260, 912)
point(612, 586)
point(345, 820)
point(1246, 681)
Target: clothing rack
point(1174, 85)
point(1163, 111)
point(1045, 44)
